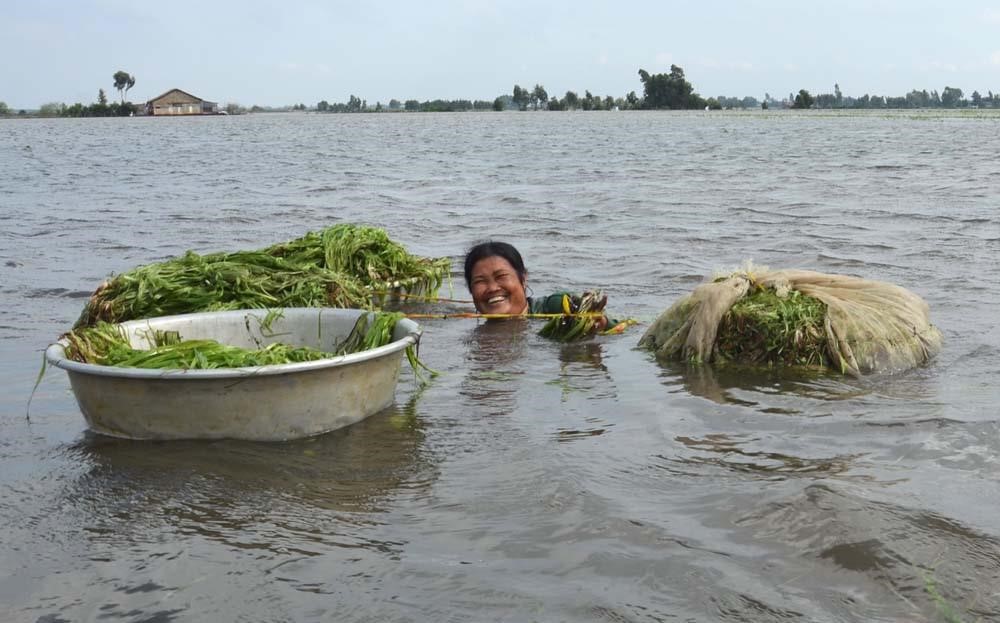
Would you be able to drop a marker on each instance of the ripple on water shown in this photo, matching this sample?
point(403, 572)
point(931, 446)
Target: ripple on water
point(528, 473)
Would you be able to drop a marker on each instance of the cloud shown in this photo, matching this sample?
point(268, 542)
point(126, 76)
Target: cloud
point(602, 59)
point(481, 8)
point(941, 66)
point(713, 63)
point(991, 16)
point(308, 69)
point(664, 58)
point(995, 58)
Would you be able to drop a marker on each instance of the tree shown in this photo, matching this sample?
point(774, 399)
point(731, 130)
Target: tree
point(394, 104)
point(917, 99)
point(123, 82)
point(803, 100)
point(102, 99)
point(498, 104)
point(539, 96)
point(51, 109)
point(520, 97)
point(572, 100)
point(950, 98)
point(839, 97)
point(671, 90)
point(4, 109)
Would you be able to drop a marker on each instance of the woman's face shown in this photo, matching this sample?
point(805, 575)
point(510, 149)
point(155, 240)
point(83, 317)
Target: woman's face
point(496, 287)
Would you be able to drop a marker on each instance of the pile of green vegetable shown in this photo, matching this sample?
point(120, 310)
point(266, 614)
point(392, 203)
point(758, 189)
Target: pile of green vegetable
point(341, 266)
point(107, 344)
point(763, 328)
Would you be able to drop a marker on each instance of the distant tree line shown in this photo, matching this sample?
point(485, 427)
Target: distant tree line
point(660, 91)
point(950, 97)
point(672, 91)
point(123, 81)
point(356, 104)
point(664, 91)
point(101, 108)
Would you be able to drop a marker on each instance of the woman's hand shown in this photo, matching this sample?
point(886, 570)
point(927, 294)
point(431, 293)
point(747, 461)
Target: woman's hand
point(591, 302)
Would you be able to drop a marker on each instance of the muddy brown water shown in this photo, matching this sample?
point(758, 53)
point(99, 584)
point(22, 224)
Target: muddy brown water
point(531, 481)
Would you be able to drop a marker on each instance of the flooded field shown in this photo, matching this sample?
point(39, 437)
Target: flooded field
point(531, 481)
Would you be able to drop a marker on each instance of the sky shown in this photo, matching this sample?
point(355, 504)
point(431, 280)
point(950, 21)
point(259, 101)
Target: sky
point(253, 52)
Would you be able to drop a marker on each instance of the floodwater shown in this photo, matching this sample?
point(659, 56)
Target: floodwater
point(531, 481)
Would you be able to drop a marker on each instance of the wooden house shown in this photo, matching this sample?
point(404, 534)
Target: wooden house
point(177, 102)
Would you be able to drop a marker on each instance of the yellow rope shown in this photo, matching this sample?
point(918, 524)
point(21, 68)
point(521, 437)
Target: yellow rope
point(503, 316)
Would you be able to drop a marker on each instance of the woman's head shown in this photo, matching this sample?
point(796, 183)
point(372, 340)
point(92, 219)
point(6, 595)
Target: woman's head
point(496, 277)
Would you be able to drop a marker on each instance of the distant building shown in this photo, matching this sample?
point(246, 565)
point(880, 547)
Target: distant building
point(177, 102)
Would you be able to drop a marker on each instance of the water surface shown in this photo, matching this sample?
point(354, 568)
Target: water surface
point(531, 480)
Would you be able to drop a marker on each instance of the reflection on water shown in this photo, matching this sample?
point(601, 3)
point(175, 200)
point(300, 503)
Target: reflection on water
point(736, 384)
point(727, 451)
point(493, 354)
point(290, 494)
point(896, 548)
point(582, 369)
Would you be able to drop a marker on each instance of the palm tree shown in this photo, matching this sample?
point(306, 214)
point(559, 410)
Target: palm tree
point(123, 82)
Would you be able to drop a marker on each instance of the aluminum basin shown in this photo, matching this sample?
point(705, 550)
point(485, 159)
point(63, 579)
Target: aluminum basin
point(266, 403)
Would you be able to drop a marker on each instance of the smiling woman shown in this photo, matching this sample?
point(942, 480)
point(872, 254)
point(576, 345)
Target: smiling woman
point(497, 280)
point(496, 277)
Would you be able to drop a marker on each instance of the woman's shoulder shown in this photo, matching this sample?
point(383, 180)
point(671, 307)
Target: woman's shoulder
point(549, 304)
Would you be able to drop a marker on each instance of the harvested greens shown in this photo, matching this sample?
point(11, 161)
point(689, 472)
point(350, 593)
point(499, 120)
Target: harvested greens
point(107, 344)
point(763, 328)
point(580, 317)
point(341, 266)
point(794, 317)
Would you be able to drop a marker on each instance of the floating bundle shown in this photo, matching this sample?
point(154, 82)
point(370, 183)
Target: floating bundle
point(797, 317)
point(340, 266)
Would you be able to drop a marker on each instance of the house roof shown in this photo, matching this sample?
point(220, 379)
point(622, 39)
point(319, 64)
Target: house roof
point(166, 93)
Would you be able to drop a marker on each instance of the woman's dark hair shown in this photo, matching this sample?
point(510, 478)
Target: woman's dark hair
point(493, 248)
